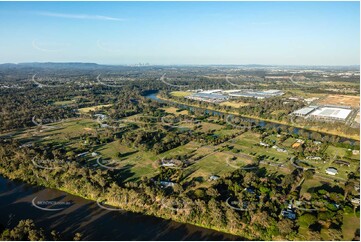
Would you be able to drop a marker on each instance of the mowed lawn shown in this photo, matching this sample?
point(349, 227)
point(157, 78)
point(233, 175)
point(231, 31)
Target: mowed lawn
point(189, 148)
point(138, 163)
point(225, 132)
point(248, 143)
point(334, 151)
point(289, 142)
point(63, 132)
point(233, 104)
point(203, 126)
point(343, 171)
point(71, 129)
point(93, 108)
point(65, 102)
point(213, 164)
point(309, 184)
point(175, 111)
point(180, 93)
point(350, 224)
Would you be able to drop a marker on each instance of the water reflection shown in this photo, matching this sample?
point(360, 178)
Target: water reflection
point(86, 217)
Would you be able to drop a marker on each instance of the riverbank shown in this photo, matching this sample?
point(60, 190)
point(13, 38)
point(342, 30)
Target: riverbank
point(324, 131)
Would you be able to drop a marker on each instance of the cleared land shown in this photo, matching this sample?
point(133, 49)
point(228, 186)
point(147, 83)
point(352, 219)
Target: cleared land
point(353, 101)
point(175, 111)
point(181, 94)
point(65, 102)
point(248, 143)
point(213, 164)
point(233, 104)
point(93, 108)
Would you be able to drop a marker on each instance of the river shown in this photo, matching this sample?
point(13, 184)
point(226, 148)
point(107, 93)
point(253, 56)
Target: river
point(153, 95)
point(76, 214)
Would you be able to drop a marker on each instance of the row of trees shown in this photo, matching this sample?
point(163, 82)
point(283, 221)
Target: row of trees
point(26, 230)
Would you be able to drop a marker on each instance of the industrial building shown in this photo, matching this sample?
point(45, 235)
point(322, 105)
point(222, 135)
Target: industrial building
point(208, 97)
point(257, 94)
point(331, 171)
point(219, 95)
point(303, 112)
point(327, 113)
point(330, 113)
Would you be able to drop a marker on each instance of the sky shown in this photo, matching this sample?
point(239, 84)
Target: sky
point(180, 33)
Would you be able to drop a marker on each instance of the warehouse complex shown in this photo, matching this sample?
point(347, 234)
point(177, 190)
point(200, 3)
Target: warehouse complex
point(326, 113)
point(257, 94)
point(219, 95)
point(208, 97)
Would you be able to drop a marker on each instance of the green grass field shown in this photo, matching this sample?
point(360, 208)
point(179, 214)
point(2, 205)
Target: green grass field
point(63, 132)
point(175, 111)
point(134, 163)
point(350, 224)
point(181, 94)
point(214, 164)
point(308, 184)
point(248, 141)
point(65, 102)
point(233, 104)
point(289, 142)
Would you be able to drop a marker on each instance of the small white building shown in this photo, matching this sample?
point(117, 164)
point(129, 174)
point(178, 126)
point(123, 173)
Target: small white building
point(313, 158)
point(166, 184)
point(355, 152)
point(331, 171)
point(100, 116)
point(263, 144)
point(355, 200)
point(281, 150)
point(213, 178)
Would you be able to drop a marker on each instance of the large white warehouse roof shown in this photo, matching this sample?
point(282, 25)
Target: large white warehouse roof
point(331, 112)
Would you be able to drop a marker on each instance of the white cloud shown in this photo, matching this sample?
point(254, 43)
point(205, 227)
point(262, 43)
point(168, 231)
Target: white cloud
point(78, 16)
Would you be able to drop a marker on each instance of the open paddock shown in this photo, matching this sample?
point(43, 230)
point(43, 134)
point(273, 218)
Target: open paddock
point(233, 104)
point(344, 100)
point(93, 108)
